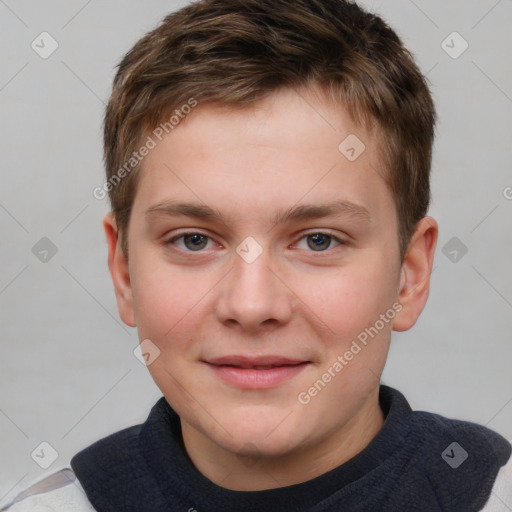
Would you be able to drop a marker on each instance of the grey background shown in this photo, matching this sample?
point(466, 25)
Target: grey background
point(68, 375)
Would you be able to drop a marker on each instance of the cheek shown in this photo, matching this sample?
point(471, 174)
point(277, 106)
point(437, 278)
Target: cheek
point(164, 299)
point(349, 299)
point(168, 307)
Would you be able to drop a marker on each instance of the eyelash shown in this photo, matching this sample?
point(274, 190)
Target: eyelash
point(172, 240)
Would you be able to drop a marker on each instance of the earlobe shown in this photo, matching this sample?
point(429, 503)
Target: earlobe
point(119, 271)
point(415, 274)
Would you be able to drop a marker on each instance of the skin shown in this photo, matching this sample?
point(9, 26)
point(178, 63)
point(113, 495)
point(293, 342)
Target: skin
point(249, 164)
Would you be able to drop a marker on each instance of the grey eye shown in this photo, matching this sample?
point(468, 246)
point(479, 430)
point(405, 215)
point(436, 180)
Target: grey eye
point(319, 241)
point(195, 241)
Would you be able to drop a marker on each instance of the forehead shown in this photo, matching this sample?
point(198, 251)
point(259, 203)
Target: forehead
point(292, 147)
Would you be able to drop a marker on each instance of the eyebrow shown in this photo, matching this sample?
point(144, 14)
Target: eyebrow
point(295, 213)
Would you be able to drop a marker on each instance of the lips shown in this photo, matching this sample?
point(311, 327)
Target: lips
point(256, 372)
point(259, 363)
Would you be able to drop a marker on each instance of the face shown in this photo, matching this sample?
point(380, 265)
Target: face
point(260, 252)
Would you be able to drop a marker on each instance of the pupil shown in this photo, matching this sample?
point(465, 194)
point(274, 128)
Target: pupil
point(320, 241)
point(198, 241)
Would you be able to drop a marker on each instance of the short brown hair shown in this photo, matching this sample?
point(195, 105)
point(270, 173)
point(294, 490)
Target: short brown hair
point(236, 52)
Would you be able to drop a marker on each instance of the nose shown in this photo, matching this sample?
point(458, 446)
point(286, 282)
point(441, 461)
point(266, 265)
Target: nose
point(253, 296)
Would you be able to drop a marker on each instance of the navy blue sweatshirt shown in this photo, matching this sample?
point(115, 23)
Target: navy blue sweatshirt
point(418, 461)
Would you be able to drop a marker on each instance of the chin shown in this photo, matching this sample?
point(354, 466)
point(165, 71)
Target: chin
point(262, 448)
point(257, 434)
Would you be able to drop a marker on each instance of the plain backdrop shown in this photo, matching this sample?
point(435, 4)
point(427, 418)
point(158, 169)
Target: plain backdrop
point(68, 375)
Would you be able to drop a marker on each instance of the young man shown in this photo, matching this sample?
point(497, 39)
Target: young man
point(268, 169)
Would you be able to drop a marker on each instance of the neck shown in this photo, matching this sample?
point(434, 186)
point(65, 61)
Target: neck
point(246, 473)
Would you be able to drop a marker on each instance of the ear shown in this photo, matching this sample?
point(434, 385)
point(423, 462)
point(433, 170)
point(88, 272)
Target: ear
point(415, 274)
point(119, 270)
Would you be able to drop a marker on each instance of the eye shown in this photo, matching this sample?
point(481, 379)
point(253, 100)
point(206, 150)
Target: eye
point(196, 242)
point(319, 241)
point(191, 241)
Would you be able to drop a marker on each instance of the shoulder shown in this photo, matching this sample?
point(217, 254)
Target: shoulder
point(67, 490)
point(109, 457)
point(482, 442)
point(458, 441)
point(500, 499)
point(58, 492)
point(465, 463)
